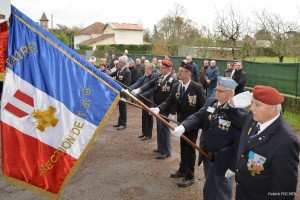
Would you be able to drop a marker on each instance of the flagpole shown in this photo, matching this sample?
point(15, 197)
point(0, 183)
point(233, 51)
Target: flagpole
point(125, 86)
point(165, 123)
point(166, 118)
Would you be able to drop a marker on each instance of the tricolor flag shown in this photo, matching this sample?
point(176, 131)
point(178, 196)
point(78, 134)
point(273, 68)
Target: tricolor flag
point(53, 105)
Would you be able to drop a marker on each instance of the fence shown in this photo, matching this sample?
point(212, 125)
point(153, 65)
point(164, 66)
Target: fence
point(283, 76)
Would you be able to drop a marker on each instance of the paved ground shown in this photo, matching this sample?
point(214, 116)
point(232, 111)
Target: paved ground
point(120, 166)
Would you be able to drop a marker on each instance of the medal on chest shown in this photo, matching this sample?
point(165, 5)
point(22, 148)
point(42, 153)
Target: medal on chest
point(165, 88)
point(224, 124)
point(192, 99)
point(255, 163)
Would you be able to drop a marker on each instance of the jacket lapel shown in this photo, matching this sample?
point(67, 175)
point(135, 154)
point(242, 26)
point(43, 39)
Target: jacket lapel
point(264, 135)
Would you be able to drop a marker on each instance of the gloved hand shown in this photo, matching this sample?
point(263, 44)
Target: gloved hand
point(229, 173)
point(136, 91)
point(172, 117)
point(124, 99)
point(179, 130)
point(156, 110)
point(242, 100)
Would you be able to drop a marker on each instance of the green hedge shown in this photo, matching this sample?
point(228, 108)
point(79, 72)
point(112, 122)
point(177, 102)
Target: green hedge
point(120, 48)
point(85, 47)
point(265, 51)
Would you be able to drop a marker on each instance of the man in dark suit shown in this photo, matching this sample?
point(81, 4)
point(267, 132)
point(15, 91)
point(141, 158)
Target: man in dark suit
point(123, 76)
point(268, 152)
point(239, 76)
point(219, 138)
point(147, 119)
point(187, 97)
point(162, 89)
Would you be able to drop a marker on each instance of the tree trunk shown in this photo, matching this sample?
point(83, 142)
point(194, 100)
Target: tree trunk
point(281, 59)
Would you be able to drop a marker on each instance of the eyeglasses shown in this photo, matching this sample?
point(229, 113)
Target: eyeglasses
point(220, 91)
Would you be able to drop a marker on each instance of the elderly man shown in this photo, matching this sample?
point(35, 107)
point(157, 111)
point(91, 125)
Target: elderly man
point(196, 73)
point(122, 74)
point(268, 152)
point(147, 119)
point(140, 68)
point(187, 97)
point(211, 77)
point(219, 138)
point(162, 88)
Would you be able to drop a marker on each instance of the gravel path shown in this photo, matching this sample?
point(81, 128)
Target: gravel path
point(121, 166)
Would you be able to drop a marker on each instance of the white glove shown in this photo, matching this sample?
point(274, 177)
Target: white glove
point(229, 173)
point(179, 130)
point(124, 99)
point(172, 117)
point(136, 91)
point(156, 110)
point(242, 100)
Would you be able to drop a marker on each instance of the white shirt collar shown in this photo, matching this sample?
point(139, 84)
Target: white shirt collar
point(266, 124)
point(186, 85)
point(165, 76)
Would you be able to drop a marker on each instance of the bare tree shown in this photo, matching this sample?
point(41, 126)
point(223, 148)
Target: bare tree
point(229, 28)
point(278, 32)
point(177, 29)
point(204, 42)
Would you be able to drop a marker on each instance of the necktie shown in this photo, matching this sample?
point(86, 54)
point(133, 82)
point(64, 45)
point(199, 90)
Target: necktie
point(253, 134)
point(182, 91)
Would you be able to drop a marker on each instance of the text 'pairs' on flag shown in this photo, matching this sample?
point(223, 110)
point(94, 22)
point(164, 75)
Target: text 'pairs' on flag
point(53, 105)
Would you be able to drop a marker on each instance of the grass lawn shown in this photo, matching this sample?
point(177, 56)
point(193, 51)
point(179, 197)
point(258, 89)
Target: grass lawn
point(272, 59)
point(293, 119)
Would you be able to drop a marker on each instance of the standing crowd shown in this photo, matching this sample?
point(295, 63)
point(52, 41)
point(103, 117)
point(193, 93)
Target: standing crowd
point(255, 149)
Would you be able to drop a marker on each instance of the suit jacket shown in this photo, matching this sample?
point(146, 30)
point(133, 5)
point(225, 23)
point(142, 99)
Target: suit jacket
point(192, 100)
point(277, 179)
point(239, 76)
point(162, 90)
point(123, 77)
point(213, 137)
point(148, 93)
point(133, 73)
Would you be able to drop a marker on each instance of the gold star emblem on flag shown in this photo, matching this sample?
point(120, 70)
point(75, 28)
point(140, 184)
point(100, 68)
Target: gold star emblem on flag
point(45, 118)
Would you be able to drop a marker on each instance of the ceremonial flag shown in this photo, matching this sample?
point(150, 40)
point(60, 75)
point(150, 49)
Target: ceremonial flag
point(53, 105)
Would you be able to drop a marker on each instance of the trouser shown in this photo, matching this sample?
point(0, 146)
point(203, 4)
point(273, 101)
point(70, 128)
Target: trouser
point(216, 187)
point(163, 138)
point(188, 155)
point(147, 123)
point(122, 114)
point(210, 92)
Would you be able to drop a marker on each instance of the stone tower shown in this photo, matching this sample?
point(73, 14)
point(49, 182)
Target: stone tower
point(44, 21)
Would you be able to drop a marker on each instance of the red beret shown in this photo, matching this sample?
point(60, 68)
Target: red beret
point(167, 63)
point(267, 95)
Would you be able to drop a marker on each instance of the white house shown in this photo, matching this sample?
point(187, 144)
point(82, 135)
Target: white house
point(93, 31)
point(112, 33)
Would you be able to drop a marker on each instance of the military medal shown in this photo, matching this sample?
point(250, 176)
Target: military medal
point(255, 163)
point(167, 88)
point(209, 117)
point(192, 99)
point(177, 95)
point(249, 130)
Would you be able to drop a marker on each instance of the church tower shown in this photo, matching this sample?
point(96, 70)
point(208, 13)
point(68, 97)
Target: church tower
point(44, 21)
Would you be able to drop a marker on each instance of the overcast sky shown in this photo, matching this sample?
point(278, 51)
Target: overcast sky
point(84, 13)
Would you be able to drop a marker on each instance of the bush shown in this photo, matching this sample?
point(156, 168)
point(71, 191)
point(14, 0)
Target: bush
point(120, 48)
point(265, 51)
point(85, 47)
